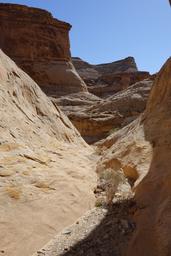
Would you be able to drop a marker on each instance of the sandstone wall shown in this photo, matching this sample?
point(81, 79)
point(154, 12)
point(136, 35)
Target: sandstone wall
point(142, 152)
point(153, 194)
point(45, 166)
point(40, 45)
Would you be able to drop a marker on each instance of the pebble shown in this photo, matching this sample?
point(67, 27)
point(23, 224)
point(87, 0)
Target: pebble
point(66, 232)
point(104, 210)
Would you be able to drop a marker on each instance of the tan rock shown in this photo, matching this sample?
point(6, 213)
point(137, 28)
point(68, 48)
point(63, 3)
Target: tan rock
point(128, 151)
point(46, 169)
point(142, 150)
point(96, 118)
point(152, 236)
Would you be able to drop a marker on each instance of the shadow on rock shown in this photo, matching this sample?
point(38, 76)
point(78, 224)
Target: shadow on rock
point(110, 236)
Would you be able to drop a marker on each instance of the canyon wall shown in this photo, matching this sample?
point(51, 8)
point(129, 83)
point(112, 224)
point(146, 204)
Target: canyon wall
point(40, 45)
point(142, 152)
point(45, 166)
point(153, 194)
point(96, 118)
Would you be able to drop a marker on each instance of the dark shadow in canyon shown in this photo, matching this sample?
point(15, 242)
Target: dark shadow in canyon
point(111, 235)
point(120, 232)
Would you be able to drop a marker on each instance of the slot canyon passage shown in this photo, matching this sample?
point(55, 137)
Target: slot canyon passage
point(84, 149)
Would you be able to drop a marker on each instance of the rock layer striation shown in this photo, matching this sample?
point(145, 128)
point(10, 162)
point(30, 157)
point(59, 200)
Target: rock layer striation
point(96, 118)
point(40, 45)
point(104, 80)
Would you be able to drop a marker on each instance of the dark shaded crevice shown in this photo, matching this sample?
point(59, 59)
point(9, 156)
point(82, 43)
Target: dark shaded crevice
point(111, 236)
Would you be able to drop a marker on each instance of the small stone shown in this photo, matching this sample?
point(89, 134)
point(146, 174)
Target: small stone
point(104, 210)
point(66, 232)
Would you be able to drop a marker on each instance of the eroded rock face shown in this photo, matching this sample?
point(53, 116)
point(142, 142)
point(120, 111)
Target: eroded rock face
point(104, 80)
point(125, 65)
point(45, 166)
point(154, 192)
point(29, 27)
point(96, 118)
point(142, 151)
point(128, 151)
point(40, 45)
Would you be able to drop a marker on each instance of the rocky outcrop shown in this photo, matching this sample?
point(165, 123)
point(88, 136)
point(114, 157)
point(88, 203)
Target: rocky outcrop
point(96, 118)
point(29, 27)
point(129, 103)
point(104, 80)
point(142, 151)
point(39, 44)
point(45, 166)
point(125, 65)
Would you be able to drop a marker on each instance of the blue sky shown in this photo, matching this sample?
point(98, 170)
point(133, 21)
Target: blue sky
point(108, 30)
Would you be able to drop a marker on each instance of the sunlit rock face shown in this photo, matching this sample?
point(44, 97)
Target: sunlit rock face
point(45, 166)
point(40, 45)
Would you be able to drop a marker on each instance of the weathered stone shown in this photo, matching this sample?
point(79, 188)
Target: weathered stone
point(104, 80)
point(39, 44)
point(46, 167)
point(153, 194)
point(96, 118)
point(144, 153)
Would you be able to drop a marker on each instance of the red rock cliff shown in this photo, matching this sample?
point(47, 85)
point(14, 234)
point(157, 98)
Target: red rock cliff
point(34, 33)
point(40, 45)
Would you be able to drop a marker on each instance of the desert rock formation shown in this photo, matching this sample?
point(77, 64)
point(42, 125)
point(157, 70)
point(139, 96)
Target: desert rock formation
point(103, 80)
point(96, 118)
point(40, 45)
point(142, 151)
point(153, 193)
point(123, 94)
point(46, 169)
point(46, 58)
